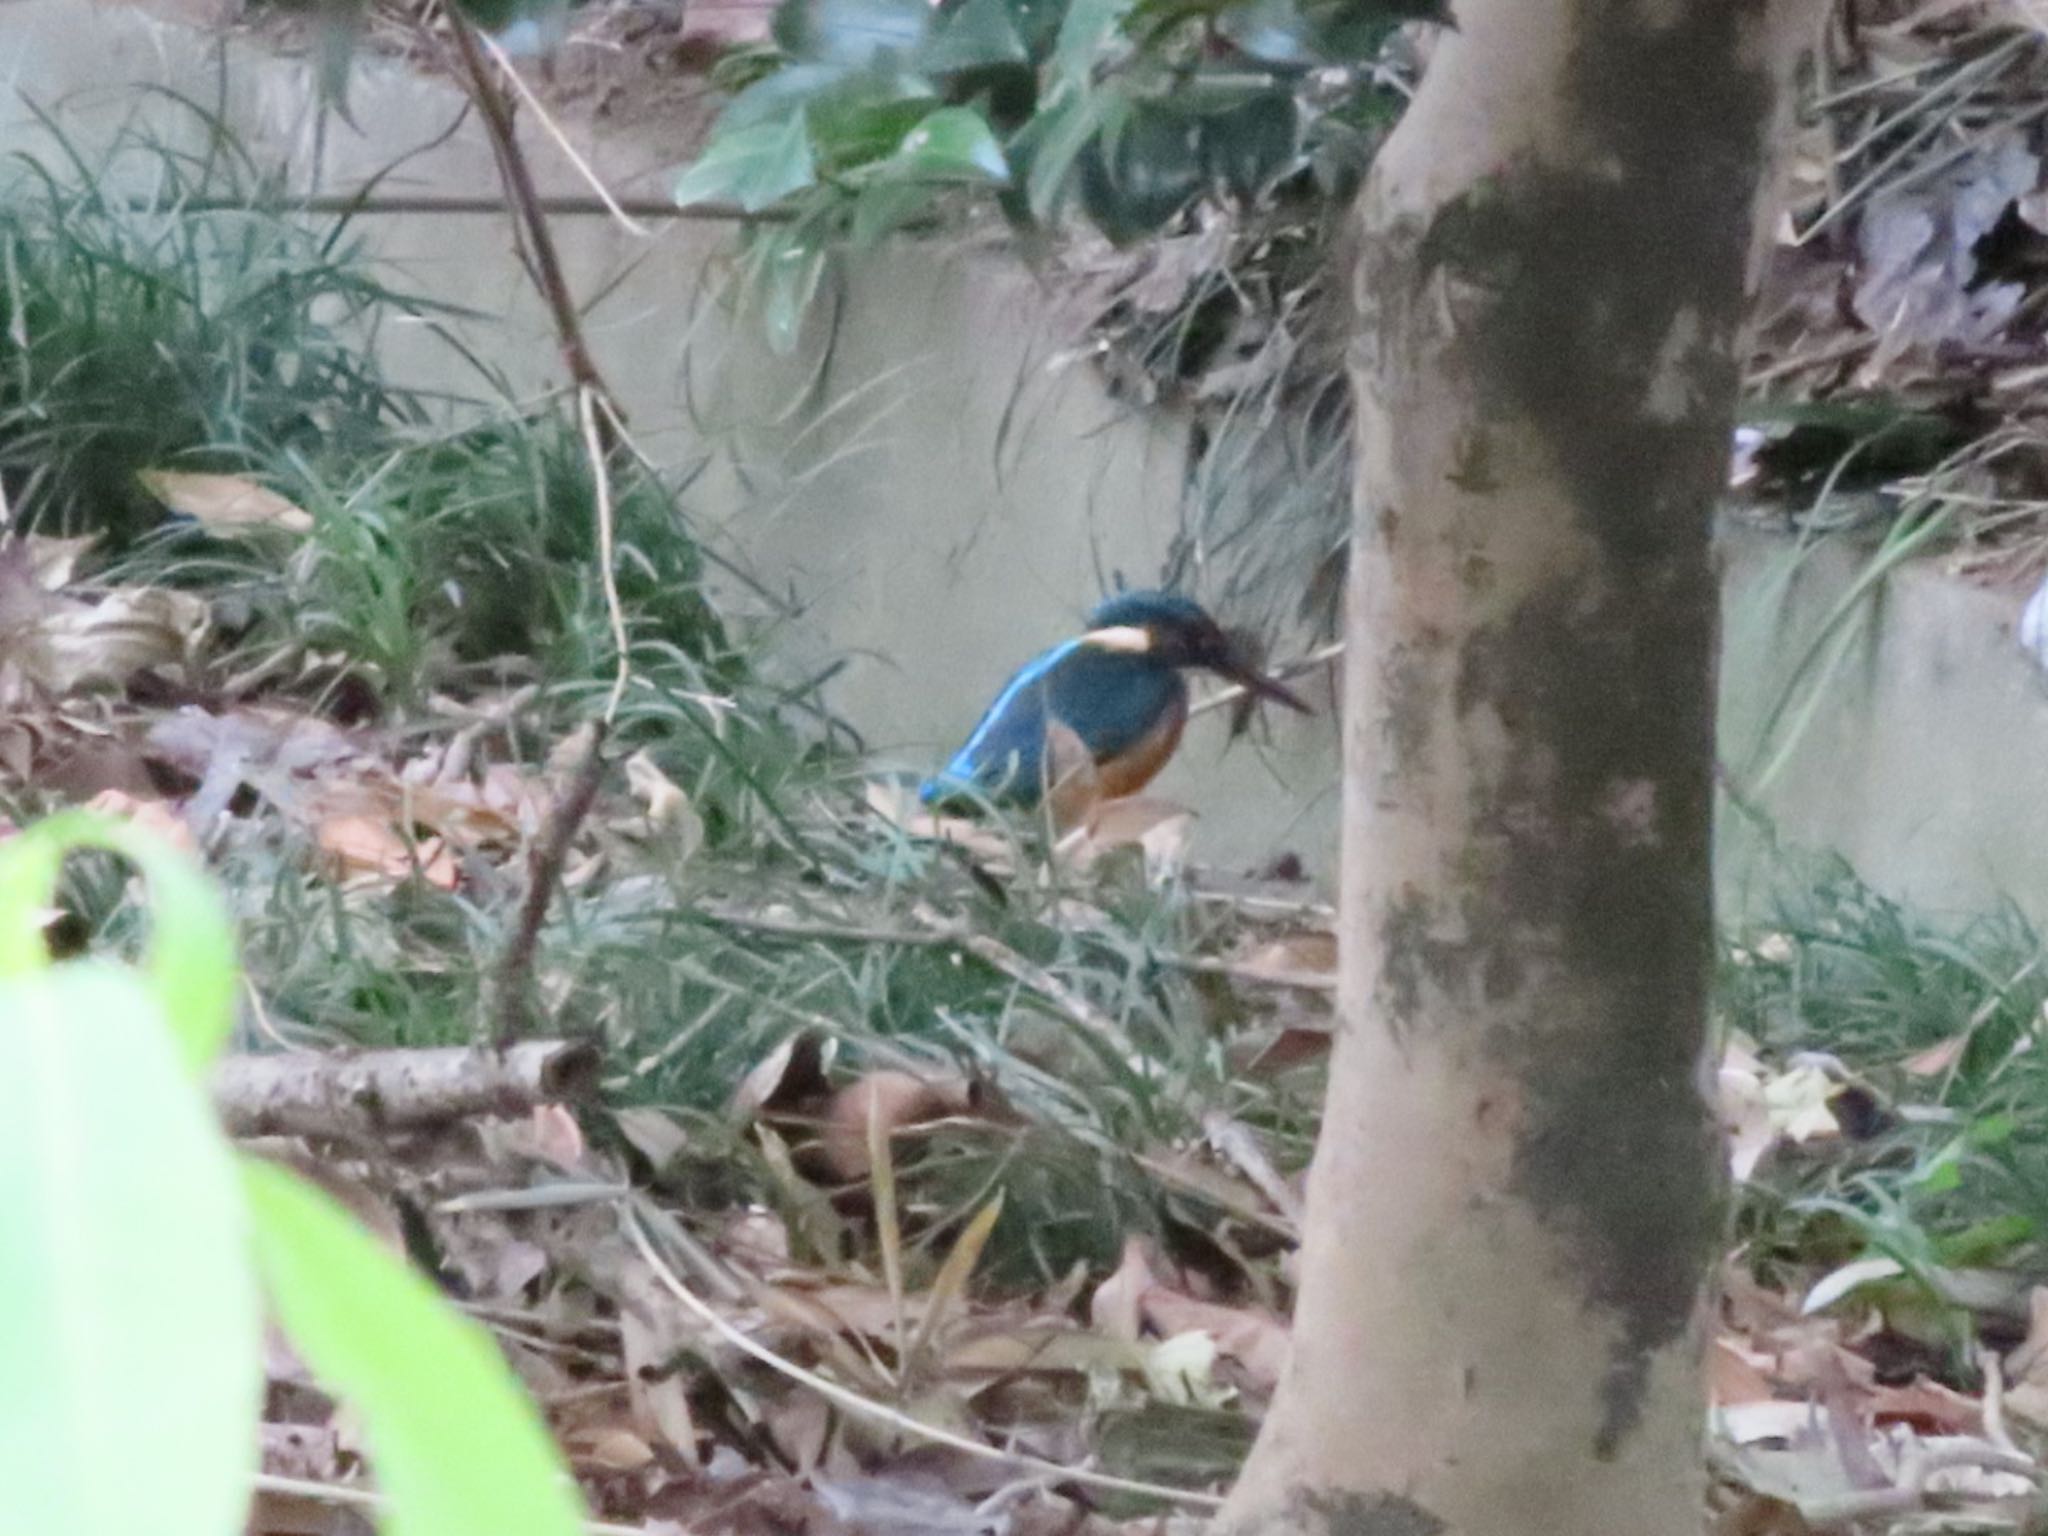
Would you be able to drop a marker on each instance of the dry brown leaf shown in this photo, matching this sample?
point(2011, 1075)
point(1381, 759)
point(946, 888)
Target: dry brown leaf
point(670, 821)
point(64, 645)
point(896, 1101)
point(1282, 1051)
point(800, 1424)
point(225, 504)
point(153, 816)
point(610, 1450)
point(656, 1389)
point(367, 846)
point(1736, 1373)
point(54, 561)
point(1928, 1406)
point(653, 1133)
point(2030, 1360)
point(1297, 954)
point(557, 1137)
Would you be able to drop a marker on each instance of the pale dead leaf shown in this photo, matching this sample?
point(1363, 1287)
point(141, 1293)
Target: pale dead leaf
point(757, 1236)
point(1113, 1310)
point(55, 560)
point(1936, 1059)
point(1297, 954)
point(225, 504)
point(611, 1450)
point(1158, 829)
point(653, 1133)
point(1848, 1278)
point(791, 1073)
point(670, 821)
point(650, 1340)
point(67, 645)
point(800, 1424)
point(1256, 1340)
point(557, 1137)
point(1928, 1405)
point(2029, 1361)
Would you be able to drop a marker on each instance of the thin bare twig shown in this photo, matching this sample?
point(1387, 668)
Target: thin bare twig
point(539, 241)
point(588, 402)
point(544, 871)
point(554, 131)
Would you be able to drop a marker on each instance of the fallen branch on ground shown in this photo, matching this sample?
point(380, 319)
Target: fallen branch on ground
point(366, 1094)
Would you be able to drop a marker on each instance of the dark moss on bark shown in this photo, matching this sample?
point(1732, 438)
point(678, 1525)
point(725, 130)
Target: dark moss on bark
point(1598, 303)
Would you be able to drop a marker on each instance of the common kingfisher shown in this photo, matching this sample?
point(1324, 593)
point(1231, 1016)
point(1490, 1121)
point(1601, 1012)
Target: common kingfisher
point(1115, 691)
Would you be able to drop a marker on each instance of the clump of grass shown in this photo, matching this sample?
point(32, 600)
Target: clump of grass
point(160, 308)
point(1938, 1028)
point(454, 556)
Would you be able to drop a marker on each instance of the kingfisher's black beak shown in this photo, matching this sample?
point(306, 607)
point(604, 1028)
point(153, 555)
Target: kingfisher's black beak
point(1232, 662)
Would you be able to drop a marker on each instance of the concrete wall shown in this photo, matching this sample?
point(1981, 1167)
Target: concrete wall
point(946, 494)
point(1924, 759)
point(942, 488)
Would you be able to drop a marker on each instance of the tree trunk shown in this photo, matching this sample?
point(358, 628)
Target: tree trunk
point(1515, 1198)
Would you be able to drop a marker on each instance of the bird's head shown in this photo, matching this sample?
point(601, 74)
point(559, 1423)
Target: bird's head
point(1177, 632)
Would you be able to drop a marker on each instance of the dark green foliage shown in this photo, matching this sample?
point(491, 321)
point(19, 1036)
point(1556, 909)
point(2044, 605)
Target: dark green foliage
point(1136, 111)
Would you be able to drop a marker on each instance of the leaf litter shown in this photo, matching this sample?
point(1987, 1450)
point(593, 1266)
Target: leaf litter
point(845, 1249)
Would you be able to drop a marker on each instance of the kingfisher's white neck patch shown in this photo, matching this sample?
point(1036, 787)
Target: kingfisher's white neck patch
point(1126, 639)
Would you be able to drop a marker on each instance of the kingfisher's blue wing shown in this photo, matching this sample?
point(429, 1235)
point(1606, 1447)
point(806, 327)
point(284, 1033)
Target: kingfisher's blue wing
point(1005, 754)
point(1111, 700)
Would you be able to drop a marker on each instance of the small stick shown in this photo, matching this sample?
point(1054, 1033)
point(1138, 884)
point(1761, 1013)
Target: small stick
point(525, 199)
point(544, 872)
point(364, 1095)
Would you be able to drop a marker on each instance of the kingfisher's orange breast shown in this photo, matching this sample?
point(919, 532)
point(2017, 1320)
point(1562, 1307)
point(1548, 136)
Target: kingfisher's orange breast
point(1136, 766)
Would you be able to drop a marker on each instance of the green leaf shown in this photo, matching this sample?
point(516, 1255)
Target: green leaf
point(853, 116)
point(1055, 140)
point(191, 953)
point(787, 265)
point(980, 34)
point(886, 205)
point(850, 132)
point(455, 1444)
point(1084, 44)
point(1246, 146)
point(1142, 171)
point(129, 1317)
point(775, 98)
point(953, 144)
point(851, 31)
point(754, 167)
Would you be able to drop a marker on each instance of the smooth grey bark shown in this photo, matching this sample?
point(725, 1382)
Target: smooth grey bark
point(1514, 1200)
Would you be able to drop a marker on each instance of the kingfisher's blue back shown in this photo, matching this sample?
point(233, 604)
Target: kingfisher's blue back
point(1113, 700)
